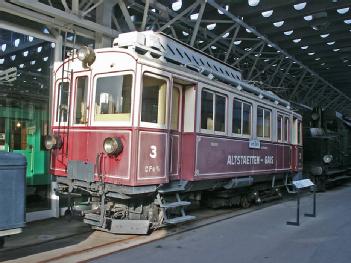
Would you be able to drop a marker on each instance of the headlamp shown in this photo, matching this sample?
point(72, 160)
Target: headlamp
point(113, 146)
point(327, 158)
point(86, 55)
point(52, 142)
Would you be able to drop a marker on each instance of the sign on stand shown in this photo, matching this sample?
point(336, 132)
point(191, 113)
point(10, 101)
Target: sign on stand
point(298, 185)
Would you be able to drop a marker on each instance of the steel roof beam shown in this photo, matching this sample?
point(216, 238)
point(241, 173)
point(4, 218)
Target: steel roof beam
point(65, 17)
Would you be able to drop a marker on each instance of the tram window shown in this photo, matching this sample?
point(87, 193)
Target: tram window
point(175, 109)
point(113, 98)
point(241, 118)
point(279, 127)
point(153, 107)
point(267, 124)
point(220, 109)
point(259, 122)
point(246, 119)
point(213, 111)
point(263, 123)
point(207, 110)
point(81, 100)
point(286, 129)
point(237, 110)
point(62, 111)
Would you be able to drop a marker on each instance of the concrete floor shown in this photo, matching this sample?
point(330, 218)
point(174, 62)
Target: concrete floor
point(260, 236)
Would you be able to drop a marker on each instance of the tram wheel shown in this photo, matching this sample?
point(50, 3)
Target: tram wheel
point(320, 183)
point(244, 201)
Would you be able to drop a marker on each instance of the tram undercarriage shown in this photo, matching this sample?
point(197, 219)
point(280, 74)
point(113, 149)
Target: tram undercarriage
point(137, 210)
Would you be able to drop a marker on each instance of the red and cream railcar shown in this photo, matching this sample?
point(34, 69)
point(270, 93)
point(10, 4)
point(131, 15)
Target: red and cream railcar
point(137, 129)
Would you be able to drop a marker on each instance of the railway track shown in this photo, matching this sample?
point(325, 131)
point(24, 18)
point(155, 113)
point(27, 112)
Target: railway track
point(86, 246)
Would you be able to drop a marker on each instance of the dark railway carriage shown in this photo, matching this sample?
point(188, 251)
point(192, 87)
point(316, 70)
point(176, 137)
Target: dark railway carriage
point(327, 148)
point(144, 125)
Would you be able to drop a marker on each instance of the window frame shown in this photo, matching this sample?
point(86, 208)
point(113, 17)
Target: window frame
point(167, 120)
point(279, 115)
point(287, 121)
point(242, 119)
point(57, 98)
point(74, 99)
point(214, 94)
point(180, 106)
point(270, 123)
point(113, 123)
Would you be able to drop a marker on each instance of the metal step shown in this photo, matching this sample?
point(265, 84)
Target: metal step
point(92, 217)
point(177, 220)
point(175, 204)
point(176, 186)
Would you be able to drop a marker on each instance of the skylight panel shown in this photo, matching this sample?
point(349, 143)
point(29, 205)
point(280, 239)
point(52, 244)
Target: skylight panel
point(304, 47)
point(308, 18)
point(267, 13)
point(331, 43)
point(194, 16)
point(300, 6)
point(288, 33)
point(253, 2)
point(342, 11)
point(211, 26)
point(238, 42)
point(278, 24)
point(324, 35)
point(17, 41)
point(176, 6)
point(297, 40)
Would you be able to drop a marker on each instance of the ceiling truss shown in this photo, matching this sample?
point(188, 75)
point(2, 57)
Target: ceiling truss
point(264, 54)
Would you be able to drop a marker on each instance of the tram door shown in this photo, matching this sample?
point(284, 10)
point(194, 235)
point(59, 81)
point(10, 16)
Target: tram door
point(175, 132)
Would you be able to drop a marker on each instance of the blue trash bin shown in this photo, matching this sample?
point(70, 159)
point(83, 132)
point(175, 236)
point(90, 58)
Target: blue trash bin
point(12, 193)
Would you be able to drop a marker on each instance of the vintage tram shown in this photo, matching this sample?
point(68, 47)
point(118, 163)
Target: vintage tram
point(150, 125)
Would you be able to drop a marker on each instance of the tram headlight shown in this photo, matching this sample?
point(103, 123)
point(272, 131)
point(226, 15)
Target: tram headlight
point(327, 158)
point(52, 142)
point(113, 146)
point(86, 55)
